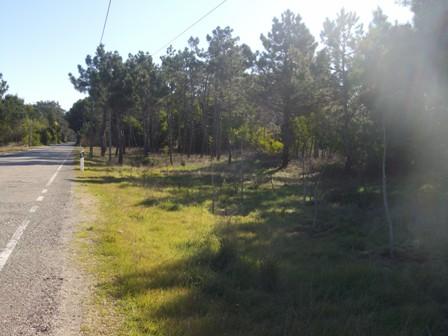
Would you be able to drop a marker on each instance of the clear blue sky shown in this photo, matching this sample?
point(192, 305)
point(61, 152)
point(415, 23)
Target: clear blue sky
point(43, 40)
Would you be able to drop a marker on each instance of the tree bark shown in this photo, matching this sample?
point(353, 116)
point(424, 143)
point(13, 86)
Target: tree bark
point(385, 196)
point(219, 138)
point(316, 148)
point(91, 148)
point(120, 144)
point(204, 145)
point(145, 134)
point(103, 133)
point(215, 127)
point(110, 135)
point(190, 145)
point(170, 136)
point(286, 137)
point(305, 193)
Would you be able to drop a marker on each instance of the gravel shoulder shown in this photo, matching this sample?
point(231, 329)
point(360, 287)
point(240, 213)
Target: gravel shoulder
point(83, 308)
point(74, 295)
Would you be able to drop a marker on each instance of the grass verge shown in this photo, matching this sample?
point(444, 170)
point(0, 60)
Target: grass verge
point(13, 149)
point(258, 265)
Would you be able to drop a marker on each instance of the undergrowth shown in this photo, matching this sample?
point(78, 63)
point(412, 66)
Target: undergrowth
point(243, 253)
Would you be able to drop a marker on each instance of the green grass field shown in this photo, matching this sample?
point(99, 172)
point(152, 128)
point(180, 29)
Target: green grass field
point(264, 263)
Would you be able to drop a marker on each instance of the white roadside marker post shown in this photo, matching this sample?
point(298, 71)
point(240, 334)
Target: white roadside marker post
point(81, 160)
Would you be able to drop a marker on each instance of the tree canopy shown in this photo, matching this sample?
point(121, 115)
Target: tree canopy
point(295, 96)
point(31, 124)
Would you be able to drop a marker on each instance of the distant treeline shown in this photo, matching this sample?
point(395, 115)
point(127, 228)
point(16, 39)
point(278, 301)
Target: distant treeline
point(30, 124)
point(361, 91)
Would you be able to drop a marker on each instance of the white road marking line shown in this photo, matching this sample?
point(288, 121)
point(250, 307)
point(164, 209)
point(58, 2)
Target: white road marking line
point(56, 173)
point(6, 252)
point(52, 179)
point(40, 199)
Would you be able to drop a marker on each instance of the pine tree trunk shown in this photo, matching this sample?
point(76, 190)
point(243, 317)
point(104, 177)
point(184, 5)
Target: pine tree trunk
point(204, 146)
point(154, 131)
point(191, 138)
point(103, 134)
point(316, 149)
point(385, 196)
point(145, 135)
point(91, 149)
point(91, 139)
point(219, 140)
point(120, 143)
point(286, 137)
point(110, 135)
point(305, 193)
point(124, 142)
point(170, 137)
point(129, 138)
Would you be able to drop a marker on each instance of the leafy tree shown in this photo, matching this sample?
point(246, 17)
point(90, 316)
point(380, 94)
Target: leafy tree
point(94, 80)
point(144, 94)
point(341, 39)
point(56, 127)
point(3, 86)
point(83, 121)
point(12, 115)
point(285, 73)
point(227, 64)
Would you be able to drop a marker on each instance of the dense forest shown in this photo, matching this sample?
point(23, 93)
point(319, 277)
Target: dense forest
point(364, 94)
point(41, 123)
point(371, 99)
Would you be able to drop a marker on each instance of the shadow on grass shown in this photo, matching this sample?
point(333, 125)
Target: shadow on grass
point(272, 286)
point(270, 274)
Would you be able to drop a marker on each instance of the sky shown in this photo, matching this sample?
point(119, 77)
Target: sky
point(42, 41)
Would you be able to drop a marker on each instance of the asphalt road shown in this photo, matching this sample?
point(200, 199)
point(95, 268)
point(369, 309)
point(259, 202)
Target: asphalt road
point(35, 202)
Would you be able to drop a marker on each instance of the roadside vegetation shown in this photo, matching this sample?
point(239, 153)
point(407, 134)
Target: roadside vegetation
point(300, 189)
point(12, 148)
point(25, 125)
point(296, 190)
point(204, 248)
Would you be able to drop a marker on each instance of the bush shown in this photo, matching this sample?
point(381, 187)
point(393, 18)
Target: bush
point(45, 137)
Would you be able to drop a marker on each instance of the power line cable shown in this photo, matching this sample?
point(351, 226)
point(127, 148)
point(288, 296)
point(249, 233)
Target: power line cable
point(105, 22)
point(189, 27)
